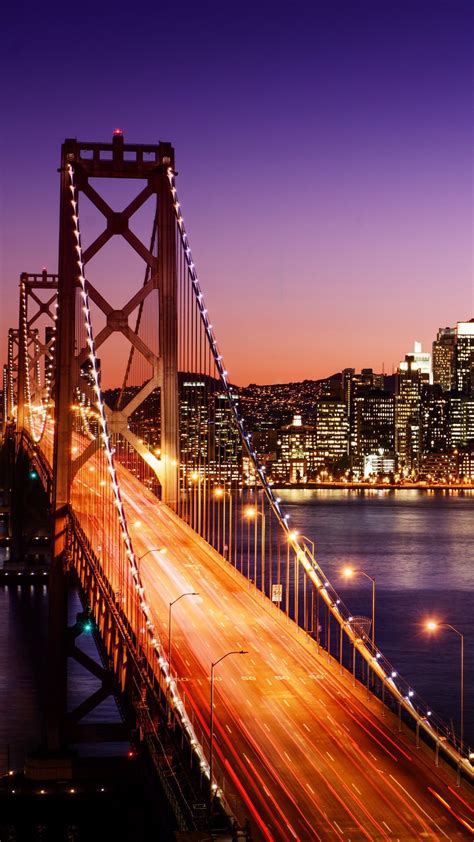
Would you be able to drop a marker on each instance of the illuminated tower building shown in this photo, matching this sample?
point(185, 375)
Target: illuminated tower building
point(332, 430)
point(407, 414)
point(464, 357)
point(443, 358)
point(224, 440)
point(193, 421)
point(298, 457)
point(461, 419)
point(354, 385)
point(372, 426)
point(420, 361)
point(434, 419)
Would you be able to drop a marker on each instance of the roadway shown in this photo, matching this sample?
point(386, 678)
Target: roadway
point(297, 750)
point(303, 756)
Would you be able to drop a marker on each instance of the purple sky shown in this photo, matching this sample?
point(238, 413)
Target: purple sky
point(324, 157)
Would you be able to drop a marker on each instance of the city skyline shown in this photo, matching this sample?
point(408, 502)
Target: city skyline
point(324, 178)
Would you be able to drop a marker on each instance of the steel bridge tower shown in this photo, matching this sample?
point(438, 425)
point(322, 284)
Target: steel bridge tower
point(93, 161)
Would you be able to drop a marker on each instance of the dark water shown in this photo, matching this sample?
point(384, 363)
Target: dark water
point(23, 613)
point(419, 546)
point(23, 676)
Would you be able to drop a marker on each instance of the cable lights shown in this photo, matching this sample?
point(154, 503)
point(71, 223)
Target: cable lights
point(130, 554)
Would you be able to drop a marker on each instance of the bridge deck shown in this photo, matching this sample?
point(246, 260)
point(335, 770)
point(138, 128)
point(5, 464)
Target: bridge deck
point(303, 754)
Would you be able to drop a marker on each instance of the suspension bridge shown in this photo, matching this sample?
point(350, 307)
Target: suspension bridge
point(266, 706)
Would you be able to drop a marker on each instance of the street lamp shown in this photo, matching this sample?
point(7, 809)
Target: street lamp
point(348, 572)
point(252, 512)
point(295, 535)
point(218, 493)
point(153, 550)
point(432, 626)
point(213, 787)
point(188, 593)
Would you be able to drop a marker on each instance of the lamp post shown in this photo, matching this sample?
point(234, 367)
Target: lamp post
point(196, 500)
point(153, 550)
point(188, 593)
point(253, 512)
point(348, 572)
point(305, 538)
point(211, 727)
point(432, 626)
point(222, 492)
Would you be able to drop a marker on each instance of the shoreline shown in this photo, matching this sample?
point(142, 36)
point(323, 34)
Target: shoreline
point(384, 486)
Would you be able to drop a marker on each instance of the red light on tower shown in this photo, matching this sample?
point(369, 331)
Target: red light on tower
point(118, 132)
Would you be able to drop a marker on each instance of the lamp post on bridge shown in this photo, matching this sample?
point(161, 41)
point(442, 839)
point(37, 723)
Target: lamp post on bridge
point(305, 538)
point(251, 513)
point(432, 626)
point(218, 493)
point(212, 786)
point(152, 550)
point(188, 593)
point(348, 572)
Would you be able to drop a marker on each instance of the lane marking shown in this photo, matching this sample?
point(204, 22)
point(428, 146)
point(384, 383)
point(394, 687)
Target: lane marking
point(419, 806)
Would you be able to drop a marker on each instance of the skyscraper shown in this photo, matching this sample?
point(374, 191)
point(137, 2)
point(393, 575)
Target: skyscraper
point(464, 357)
point(332, 430)
point(407, 414)
point(443, 358)
point(421, 361)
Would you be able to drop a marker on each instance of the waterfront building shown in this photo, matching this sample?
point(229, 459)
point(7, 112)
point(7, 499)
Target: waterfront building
point(461, 419)
point(465, 463)
point(438, 467)
point(434, 410)
point(379, 464)
point(372, 426)
point(298, 458)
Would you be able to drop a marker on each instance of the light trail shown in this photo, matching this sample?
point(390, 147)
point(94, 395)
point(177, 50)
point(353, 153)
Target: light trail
point(287, 709)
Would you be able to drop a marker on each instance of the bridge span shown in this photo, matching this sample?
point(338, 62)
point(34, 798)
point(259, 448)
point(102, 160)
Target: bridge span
point(297, 748)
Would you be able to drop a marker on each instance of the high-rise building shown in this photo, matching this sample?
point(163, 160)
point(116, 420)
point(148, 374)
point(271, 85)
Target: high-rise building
point(461, 419)
point(443, 358)
point(434, 407)
point(332, 430)
point(420, 361)
point(407, 414)
point(297, 454)
point(356, 384)
point(193, 420)
point(373, 426)
point(464, 357)
point(225, 442)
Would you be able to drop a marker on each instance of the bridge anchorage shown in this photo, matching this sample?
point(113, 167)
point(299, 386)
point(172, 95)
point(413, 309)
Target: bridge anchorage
point(129, 416)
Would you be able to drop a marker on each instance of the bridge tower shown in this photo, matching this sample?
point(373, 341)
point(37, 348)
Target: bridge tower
point(93, 163)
